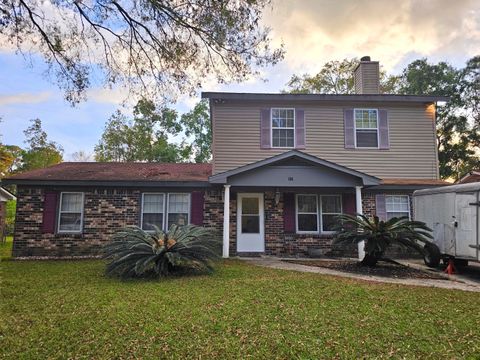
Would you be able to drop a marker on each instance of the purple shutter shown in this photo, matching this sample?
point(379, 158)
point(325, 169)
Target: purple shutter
point(289, 212)
point(49, 212)
point(196, 212)
point(349, 130)
point(381, 208)
point(349, 204)
point(265, 123)
point(300, 129)
point(383, 140)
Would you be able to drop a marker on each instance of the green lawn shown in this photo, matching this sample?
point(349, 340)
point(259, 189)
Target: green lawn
point(6, 248)
point(70, 310)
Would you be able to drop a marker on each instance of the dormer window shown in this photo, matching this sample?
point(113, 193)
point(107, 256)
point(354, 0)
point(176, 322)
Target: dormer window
point(366, 128)
point(283, 127)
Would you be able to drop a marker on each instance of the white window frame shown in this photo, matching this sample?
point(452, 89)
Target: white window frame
point(285, 128)
point(408, 204)
point(168, 210)
point(319, 198)
point(142, 212)
point(60, 212)
point(322, 213)
point(304, 213)
point(355, 129)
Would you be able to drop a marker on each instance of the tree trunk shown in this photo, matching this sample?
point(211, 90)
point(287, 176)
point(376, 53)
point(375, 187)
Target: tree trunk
point(369, 260)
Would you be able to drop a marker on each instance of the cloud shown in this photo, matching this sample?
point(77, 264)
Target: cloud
point(109, 96)
point(316, 31)
point(25, 98)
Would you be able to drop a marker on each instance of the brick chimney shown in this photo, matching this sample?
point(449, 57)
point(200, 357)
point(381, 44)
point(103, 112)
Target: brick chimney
point(367, 76)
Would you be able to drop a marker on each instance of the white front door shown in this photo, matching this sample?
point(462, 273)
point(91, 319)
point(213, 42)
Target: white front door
point(250, 223)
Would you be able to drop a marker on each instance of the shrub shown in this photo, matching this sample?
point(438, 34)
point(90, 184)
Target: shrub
point(136, 253)
point(379, 235)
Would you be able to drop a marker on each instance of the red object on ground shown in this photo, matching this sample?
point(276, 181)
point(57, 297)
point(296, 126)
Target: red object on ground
point(450, 267)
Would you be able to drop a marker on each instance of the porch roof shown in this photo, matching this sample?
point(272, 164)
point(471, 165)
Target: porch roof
point(265, 172)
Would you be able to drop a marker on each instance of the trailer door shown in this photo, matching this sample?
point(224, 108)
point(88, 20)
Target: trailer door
point(466, 225)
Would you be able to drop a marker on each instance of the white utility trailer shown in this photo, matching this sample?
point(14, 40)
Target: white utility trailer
point(453, 213)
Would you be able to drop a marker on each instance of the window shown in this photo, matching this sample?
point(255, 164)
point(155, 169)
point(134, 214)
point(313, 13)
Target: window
point(178, 209)
point(331, 208)
point(152, 211)
point(307, 213)
point(250, 215)
point(71, 212)
point(283, 128)
point(397, 206)
point(366, 128)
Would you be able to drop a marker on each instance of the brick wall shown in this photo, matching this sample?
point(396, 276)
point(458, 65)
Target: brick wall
point(105, 211)
point(277, 242)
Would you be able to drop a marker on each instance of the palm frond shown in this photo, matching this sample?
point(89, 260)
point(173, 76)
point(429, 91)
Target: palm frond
point(379, 235)
point(136, 253)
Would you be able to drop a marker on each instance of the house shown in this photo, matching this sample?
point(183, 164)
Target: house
point(284, 166)
point(5, 196)
point(472, 176)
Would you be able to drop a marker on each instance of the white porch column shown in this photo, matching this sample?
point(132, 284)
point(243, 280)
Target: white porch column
point(226, 221)
point(358, 198)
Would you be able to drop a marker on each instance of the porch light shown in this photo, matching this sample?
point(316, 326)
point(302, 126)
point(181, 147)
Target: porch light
point(277, 196)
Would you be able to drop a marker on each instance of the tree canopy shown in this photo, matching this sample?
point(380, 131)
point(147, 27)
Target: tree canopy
point(143, 137)
point(157, 134)
point(335, 77)
point(196, 124)
point(458, 132)
point(39, 153)
point(155, 48)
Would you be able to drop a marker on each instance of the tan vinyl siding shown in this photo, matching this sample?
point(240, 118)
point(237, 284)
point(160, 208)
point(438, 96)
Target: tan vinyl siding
point(412, 153)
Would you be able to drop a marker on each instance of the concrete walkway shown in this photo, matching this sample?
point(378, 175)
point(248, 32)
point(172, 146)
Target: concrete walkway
point(452, 282)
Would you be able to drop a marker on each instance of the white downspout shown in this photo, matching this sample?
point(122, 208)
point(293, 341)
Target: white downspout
point(358, 198)
point(226, 221)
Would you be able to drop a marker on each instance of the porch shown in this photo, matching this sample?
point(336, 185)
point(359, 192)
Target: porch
point(287, 204)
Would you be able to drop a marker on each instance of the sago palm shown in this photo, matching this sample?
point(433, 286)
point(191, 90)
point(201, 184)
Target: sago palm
point(136, 253)
point(379, 235)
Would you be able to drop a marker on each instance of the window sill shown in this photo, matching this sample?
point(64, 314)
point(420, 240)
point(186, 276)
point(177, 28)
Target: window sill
point(368, 148)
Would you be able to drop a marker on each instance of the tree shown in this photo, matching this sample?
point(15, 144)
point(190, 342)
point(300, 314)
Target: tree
point(143, 138)
point(470, 90)
point(82, 156)
point(40, 152)
point(197, 125)
point(156, 48)
point(335, 77)
point(10, 159)
point(457, 135)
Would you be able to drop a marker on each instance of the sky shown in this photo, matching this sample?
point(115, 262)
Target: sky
point(312, 31)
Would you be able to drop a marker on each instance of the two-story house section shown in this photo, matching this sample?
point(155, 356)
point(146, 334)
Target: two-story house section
point(290, 163)
point(284, 167)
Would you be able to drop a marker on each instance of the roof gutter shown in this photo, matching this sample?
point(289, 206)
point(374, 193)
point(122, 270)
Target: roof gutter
point(173, 184)
point(223, 96)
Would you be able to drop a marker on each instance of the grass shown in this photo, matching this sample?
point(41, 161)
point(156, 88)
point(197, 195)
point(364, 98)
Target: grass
point(6, 248)
point(61, 309)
